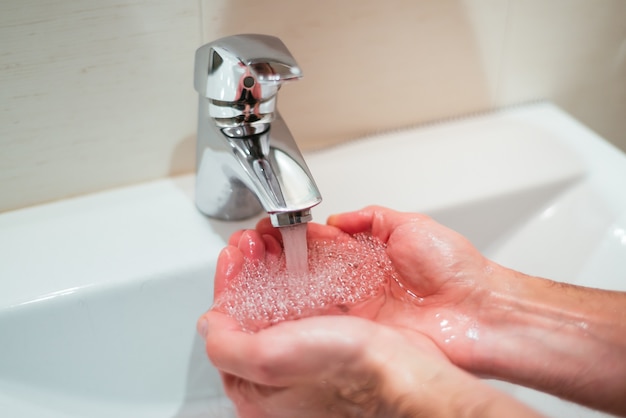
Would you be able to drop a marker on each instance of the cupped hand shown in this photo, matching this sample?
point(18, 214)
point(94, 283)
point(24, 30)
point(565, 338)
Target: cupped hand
point(325, 366)
point(335, 366)
point(442, 280)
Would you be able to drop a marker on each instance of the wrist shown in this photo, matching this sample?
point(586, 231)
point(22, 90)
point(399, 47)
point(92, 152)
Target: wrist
point(414, 379)
point(443, 390)
point(554, 337)
point(521, 332)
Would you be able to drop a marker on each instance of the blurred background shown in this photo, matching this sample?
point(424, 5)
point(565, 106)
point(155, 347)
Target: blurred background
point(99, 94)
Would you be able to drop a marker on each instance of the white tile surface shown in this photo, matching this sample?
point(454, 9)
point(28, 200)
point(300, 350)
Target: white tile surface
point(93, 95)
point(97, 94)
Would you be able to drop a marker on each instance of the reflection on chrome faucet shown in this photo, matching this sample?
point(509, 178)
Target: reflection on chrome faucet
point(247, 160)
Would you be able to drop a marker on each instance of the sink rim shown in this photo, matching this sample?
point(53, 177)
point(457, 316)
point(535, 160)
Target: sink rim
point(153, 231)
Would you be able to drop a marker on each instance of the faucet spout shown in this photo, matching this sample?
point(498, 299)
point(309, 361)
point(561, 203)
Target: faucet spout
point(247, 160)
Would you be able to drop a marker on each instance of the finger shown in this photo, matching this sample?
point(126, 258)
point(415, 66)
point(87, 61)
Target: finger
point(235, 237)
point(288, 353)
point(229, 263)
point(252, 245)
point(364, 220)
point(273, 249)
point(317, 231)
point(229, 349)
point(265, 227)
point(377, 220)
point(214, 320)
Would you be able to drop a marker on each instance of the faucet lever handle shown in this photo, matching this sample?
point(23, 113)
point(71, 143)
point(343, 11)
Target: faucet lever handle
point(229, 65)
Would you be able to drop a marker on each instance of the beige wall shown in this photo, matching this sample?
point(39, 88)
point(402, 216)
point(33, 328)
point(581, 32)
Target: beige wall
point(98, 94)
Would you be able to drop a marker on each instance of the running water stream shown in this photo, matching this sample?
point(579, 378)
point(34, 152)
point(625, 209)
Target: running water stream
point(295, 247)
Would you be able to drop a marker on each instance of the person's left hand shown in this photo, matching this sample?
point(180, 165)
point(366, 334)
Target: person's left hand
point(326, 366)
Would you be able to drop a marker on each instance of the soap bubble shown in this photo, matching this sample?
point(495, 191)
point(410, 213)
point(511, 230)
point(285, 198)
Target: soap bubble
point(341, 275)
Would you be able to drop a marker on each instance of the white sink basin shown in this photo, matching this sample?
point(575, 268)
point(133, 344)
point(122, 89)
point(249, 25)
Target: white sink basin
point(100, 294)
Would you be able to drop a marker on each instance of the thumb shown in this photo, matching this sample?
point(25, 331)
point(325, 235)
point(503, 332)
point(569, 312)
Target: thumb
point(377, 220)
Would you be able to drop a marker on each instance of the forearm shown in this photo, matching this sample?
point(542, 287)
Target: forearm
point(448, 392)
point(562, 339)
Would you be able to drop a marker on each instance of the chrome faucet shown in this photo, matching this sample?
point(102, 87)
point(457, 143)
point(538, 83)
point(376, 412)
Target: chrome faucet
point(246, 158)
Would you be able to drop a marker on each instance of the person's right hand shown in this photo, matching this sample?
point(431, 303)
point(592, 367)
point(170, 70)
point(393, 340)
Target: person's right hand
point(443, 280)
point(497, 322)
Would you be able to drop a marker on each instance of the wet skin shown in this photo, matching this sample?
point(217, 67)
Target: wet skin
point(451, 305)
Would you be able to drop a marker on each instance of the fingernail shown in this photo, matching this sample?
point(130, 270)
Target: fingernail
point(203, 327)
